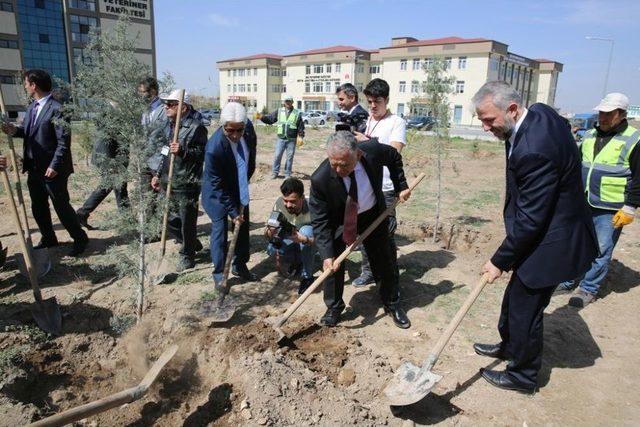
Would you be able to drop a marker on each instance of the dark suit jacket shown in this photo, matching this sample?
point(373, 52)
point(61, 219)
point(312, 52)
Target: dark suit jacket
point(550, 235)
point(328, 195)
point(362, 125)
point(50, 143)
point(220, 189)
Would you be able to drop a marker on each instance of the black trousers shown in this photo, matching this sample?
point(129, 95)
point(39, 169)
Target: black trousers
point(382, 259)
point(183, 221)
point(521, 330)
point(392, 225)
point(218, 243)
point(42, 189)
point(99, 194)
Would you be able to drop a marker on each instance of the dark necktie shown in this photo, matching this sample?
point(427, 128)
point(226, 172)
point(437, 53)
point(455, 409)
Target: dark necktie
point(34, 115)
point(350, 229)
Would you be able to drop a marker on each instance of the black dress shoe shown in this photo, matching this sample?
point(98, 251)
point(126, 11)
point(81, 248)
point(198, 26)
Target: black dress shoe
point(399, 317)
point(502, 379)
point(83, 219)
point(490, 350)
point(331, 318)
point(46, 244)
point(243, 273)
point(79, 245)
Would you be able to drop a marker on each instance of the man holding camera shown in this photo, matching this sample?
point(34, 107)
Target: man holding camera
point(290, 233)
point(351, 112)
point(388, 129)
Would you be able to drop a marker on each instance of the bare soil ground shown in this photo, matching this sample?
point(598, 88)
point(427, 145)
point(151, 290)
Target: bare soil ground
point(235, 374)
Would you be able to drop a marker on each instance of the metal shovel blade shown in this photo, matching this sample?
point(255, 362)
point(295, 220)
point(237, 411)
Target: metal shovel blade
point(41, 261)
point(217, 312)
point(410, 384)
point(47, 315)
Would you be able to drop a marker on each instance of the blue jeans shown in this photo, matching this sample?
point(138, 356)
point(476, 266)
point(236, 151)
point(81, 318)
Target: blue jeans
point(281, 146)
point(296, 251)
point(607, 238)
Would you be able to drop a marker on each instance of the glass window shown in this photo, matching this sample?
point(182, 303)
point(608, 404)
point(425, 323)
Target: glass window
point(6, 6)
point(228, 88)
point(414, 86)
point(255, 87)
point(338, 64)
point(284, 88)
point(403, 65)
point(307, 87)
point(462, 63)
point(328, 67)
point(235, 72)
point(374, 69)
point(359, 87)
point(9, 44)
point(317, 87)
point(447, 63)
point(6, 79)
point(327, 87)
point(403, 86)
point(80, 27)
point(241, 72)
point(255, 71)
point(416, 63)
point(359, 67)
point(241, 88)
point(39, 4)
point(318, 68)
point(235, 88)
point(80, 56)
point(460, 86)
point(307, 69)
point(83, 4)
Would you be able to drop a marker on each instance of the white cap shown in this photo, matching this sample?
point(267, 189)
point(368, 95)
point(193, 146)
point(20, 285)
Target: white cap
point(175, 96)
point(288, 98)
point(613, 101)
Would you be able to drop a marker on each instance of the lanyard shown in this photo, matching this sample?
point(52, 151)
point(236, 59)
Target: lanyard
point(367, 133)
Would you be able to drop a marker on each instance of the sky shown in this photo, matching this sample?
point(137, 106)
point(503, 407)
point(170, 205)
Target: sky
point(191, 35)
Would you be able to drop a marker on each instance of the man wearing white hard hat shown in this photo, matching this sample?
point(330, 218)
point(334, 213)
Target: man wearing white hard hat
point(611, 178)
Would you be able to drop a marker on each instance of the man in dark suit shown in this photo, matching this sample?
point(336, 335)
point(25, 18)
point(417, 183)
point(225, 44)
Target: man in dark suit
point(549, 233)
point(347, 95)
point(229, 163)
point(47, 160)
point(346, 197)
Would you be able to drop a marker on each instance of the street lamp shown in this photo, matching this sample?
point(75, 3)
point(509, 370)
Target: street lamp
point(606, 76)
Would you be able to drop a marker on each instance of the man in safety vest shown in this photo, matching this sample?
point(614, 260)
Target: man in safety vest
point(290, 126)
point(611, 177)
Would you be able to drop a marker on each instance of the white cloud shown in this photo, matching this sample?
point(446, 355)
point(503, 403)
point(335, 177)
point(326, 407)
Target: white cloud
point(223, 21)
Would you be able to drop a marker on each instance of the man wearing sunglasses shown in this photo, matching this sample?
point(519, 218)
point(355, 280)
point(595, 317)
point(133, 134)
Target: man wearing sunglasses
point(229, 163)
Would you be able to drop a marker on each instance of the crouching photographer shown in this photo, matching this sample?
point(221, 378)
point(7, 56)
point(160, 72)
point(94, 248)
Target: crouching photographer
point(290, 233)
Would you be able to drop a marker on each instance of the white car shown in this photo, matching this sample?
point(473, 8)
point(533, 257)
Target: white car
point(313, 119)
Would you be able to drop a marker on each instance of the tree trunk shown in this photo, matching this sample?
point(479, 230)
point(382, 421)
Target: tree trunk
point(142, 269)
point(439, 192)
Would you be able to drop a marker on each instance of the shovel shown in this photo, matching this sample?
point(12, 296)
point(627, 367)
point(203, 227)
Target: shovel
point(279, 322)
point(164, 267)
point(126, 396)
point(46, 313)
point(40, 257)
point(223, 310)
point(411, 383)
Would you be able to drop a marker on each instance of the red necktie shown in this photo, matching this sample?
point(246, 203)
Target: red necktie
point(350, 229)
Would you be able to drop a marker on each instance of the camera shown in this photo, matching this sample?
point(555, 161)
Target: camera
point(356, 122)
point(284, 229)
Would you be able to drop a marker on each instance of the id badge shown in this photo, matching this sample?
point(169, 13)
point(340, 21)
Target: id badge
point(165, 150)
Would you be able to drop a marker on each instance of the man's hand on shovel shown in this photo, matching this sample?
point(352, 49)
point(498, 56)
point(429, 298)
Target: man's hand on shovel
point(330, 264)
point(404, 195)
point(491, 272)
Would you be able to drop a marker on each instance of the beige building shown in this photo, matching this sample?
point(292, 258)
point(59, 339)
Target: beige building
point(52, 35)
point(311, 77)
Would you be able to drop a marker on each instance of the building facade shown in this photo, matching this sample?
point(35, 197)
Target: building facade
point(311, 77)
point(52, 35)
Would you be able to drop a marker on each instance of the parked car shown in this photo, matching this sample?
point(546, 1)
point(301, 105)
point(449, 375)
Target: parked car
point(322, 114)
point(313, 119)
point(210, 113)
point(421, 123)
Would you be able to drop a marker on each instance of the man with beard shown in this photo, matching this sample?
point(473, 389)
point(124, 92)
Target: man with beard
point(549, 233)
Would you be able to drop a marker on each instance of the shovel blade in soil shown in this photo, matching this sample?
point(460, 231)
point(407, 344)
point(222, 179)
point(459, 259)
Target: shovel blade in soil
point(161, 271)
point(47, 315)
point(218, 313)
point(410, 385)
point(41, 262)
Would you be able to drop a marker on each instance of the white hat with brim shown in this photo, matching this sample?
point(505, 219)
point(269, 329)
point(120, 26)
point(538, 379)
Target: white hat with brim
point(613, 101)
point(175, 96)
point(288, 98)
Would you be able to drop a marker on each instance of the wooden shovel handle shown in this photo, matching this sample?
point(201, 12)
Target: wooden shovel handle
point(167, 199)
point(455, 322)
point(227, 264)
point(325, 274)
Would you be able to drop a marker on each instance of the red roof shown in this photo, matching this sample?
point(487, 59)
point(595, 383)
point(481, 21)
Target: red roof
point(443, 40)
point(258, 56)
point(543, 60)
point(331, 49)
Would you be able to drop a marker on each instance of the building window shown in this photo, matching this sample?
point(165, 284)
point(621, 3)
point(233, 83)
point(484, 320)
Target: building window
point(235, 72)
point(83, 4)
point(318, 68)
point(403, 65)
point(6, 6)
point(428, 63)
point(307, 87)
point(274, 72)
point(416, 63)
point(327, 87)
point(241, 88)
point(241, 72)
point(447, 63)
point(493, 64)
point(228, 88)
point(415, 86)
point(9, 44)
point(284, 88)
point(328, 67)
point(374, 69)
point(317, 87)
point(228, 73)
point(284, 73)
point(359, 87)
point(8, 80)
point(336, 85)
point(235, 88)
point(338, 64)
point(39, 4)
point(255, 87)
point(403, 87)
point(360, 68)
point(307, 69)
point(460, 86)
point(462, 63)
point(255, 71)
point(80, 27)
point(80, 56)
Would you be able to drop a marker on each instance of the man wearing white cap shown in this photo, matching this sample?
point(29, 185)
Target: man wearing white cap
point(611, 177)
point(290, 127)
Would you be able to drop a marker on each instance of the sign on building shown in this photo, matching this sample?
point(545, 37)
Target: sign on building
point(133, 8)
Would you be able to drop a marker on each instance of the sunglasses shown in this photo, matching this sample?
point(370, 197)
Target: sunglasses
point(172, 104)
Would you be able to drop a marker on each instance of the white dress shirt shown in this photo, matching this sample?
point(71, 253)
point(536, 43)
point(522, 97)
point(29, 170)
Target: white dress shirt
point(366, 196)
point(40, 103)
point(512, 138)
